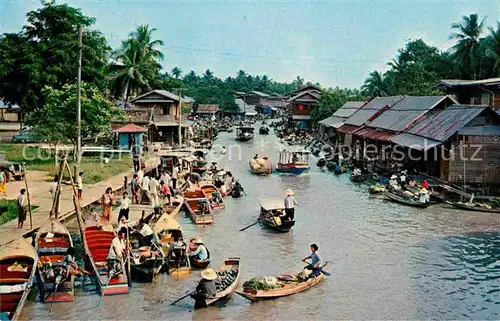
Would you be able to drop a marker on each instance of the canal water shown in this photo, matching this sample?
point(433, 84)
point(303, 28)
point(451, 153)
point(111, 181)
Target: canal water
point(387, 261)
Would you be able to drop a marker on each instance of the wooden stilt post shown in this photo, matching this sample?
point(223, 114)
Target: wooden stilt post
point(28, 195)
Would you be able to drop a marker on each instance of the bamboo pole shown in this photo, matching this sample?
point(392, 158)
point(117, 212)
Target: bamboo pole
point(54, 211)
point(28, 195)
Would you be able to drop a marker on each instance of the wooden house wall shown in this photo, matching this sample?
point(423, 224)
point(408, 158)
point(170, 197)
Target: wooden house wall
point(486, 170)
point(306, 110)
point(252, 99)
point(10, 116)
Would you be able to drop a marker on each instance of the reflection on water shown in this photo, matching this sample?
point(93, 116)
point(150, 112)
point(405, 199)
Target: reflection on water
point(387, 261)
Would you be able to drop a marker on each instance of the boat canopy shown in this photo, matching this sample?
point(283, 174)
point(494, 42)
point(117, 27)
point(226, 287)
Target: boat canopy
point(166, 223)
point(294, 157)
point(272, 204)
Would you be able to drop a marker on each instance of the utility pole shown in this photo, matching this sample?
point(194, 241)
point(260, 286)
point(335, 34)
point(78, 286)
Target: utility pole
point(79, 103)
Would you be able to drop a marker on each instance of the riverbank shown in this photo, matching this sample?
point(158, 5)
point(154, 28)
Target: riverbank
point(41, 197)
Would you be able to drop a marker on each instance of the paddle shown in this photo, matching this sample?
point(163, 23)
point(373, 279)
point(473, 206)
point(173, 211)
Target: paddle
point(249, 226)
point(183, 297)
point(53, 294)
point(111, 275)
point(321, 268)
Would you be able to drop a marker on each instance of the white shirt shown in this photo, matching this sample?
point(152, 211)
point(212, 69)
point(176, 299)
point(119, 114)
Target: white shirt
point(124, 203)
point(117, 247)
point(120, 225)
point(53, 188)
point(79, 182)
point(175, 172)
point(140, 175)
point(146, 230)
point(165, 178)
point(153, 186)
point(289, 202)
point(21, 200)
point(145, 183)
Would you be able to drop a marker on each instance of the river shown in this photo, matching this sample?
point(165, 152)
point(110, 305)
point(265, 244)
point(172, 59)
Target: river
point(387, 261)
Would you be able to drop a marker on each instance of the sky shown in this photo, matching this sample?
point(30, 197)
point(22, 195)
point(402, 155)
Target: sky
point(335, 43)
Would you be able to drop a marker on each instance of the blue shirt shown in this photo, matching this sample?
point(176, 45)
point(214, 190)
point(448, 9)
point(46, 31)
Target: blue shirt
point(201, 252)
point(315, 259)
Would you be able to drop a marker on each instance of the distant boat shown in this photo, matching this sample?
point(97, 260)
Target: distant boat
point(294, 163)
point(198, 207)
point(264, 130)
point(244, 133)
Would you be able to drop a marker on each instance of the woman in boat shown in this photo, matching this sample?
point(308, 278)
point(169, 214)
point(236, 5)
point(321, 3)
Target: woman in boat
point(412, 182)
point(424, 195)
point(201, 251)
point(424, 184)
point(216, 198)
point(237, 190)
point(73, 267)
point(206, 288)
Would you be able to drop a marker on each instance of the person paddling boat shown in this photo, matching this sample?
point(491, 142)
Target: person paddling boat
point(316, 260)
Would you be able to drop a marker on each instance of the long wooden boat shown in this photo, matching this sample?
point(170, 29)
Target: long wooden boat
point(209, 189)
point(294, 163)
point(244, 133)
point(18, 261)
point(52, 243)
point(97, 238)
point(287, 288)
point(465, 207)
point(228, 278)
point(268, 209)
point(169, 233)
point(406, 201)
point(192, 201)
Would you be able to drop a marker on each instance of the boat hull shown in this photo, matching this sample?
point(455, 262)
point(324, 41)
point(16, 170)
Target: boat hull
point(196, 264)
point(294, 169)
point(401, 200)
point(473, 209)
point(254, 295)
point(285, 227)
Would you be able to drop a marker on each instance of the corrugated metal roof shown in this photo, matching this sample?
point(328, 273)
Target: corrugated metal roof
point(332, 121)
point(258, 93)
point(459, 82)
point(163, 93)
point(130, 128)
point(372, 133)
point(406, 111)
point(349, 108)
point(490, 130)
point(370, 109)
point(312, 93)
point(414, 141)
point(348, 129)
point(207, 108)
point(301, 117)
point(442, 124)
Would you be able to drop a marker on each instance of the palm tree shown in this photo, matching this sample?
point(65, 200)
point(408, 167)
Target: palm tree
point(374, 85)
point(492, 45)
point(143, 36)
point(396, 64)
point(208, 75)
point(135, 63)
point(466, 51)
point(176, 71)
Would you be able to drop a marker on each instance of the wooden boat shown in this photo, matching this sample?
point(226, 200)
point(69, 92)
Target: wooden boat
point(197, 206)
point(376, 189)
point(209, 189)
point(169, 233)
point(264, 130)
point(406, 201)
point(321, 162)
point(97, 238)
point(294, 163)
point(465, 207)
point(199, 166)
point(18, 261)
point(195, 263)
point(228, 278)
point(244, 133)
point(52, 243)
point(287, 288)
point(270, 212)
point(357, 178)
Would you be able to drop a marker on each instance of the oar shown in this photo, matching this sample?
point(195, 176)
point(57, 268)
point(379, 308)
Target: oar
point(103, 291)
point(53, 294)
point(183, 297)
point(321, 268)
point(249, 226)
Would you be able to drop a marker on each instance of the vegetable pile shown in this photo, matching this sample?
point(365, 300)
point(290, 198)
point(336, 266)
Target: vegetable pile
point(224, 279)
point(262, 284)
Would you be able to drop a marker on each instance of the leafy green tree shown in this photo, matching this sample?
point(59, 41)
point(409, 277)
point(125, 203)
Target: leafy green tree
point(45, 53)
point(57, 117)
point(492, 46)
point(467, 51)
point(329, 102)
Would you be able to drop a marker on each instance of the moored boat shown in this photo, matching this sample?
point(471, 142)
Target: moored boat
point(228, 278)
point(285, 286)
point(321, 162)
point(52, 243)
point(264, 130)
point(169, 233)
point(272, 213)
point(294, 163)
point(406, 200)
point(466, 207)
point(357, 177)
point(18, 261)
point(213, 195)
point(97, 238)
point(197, 206)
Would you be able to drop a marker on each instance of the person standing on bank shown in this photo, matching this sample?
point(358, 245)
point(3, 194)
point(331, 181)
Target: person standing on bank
point(175, 173)
point(22, 204)
point(136, 160)
point(290, 203)
point(107, 203)
point(79, 185)
point(124, 206)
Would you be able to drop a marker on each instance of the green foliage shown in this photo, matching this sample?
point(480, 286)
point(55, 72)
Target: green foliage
point(57, 117)
point(12, 210)
point(331, 100)
point(45, 53)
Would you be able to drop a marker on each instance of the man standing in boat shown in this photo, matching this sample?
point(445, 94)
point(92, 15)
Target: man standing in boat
point(290, 203)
